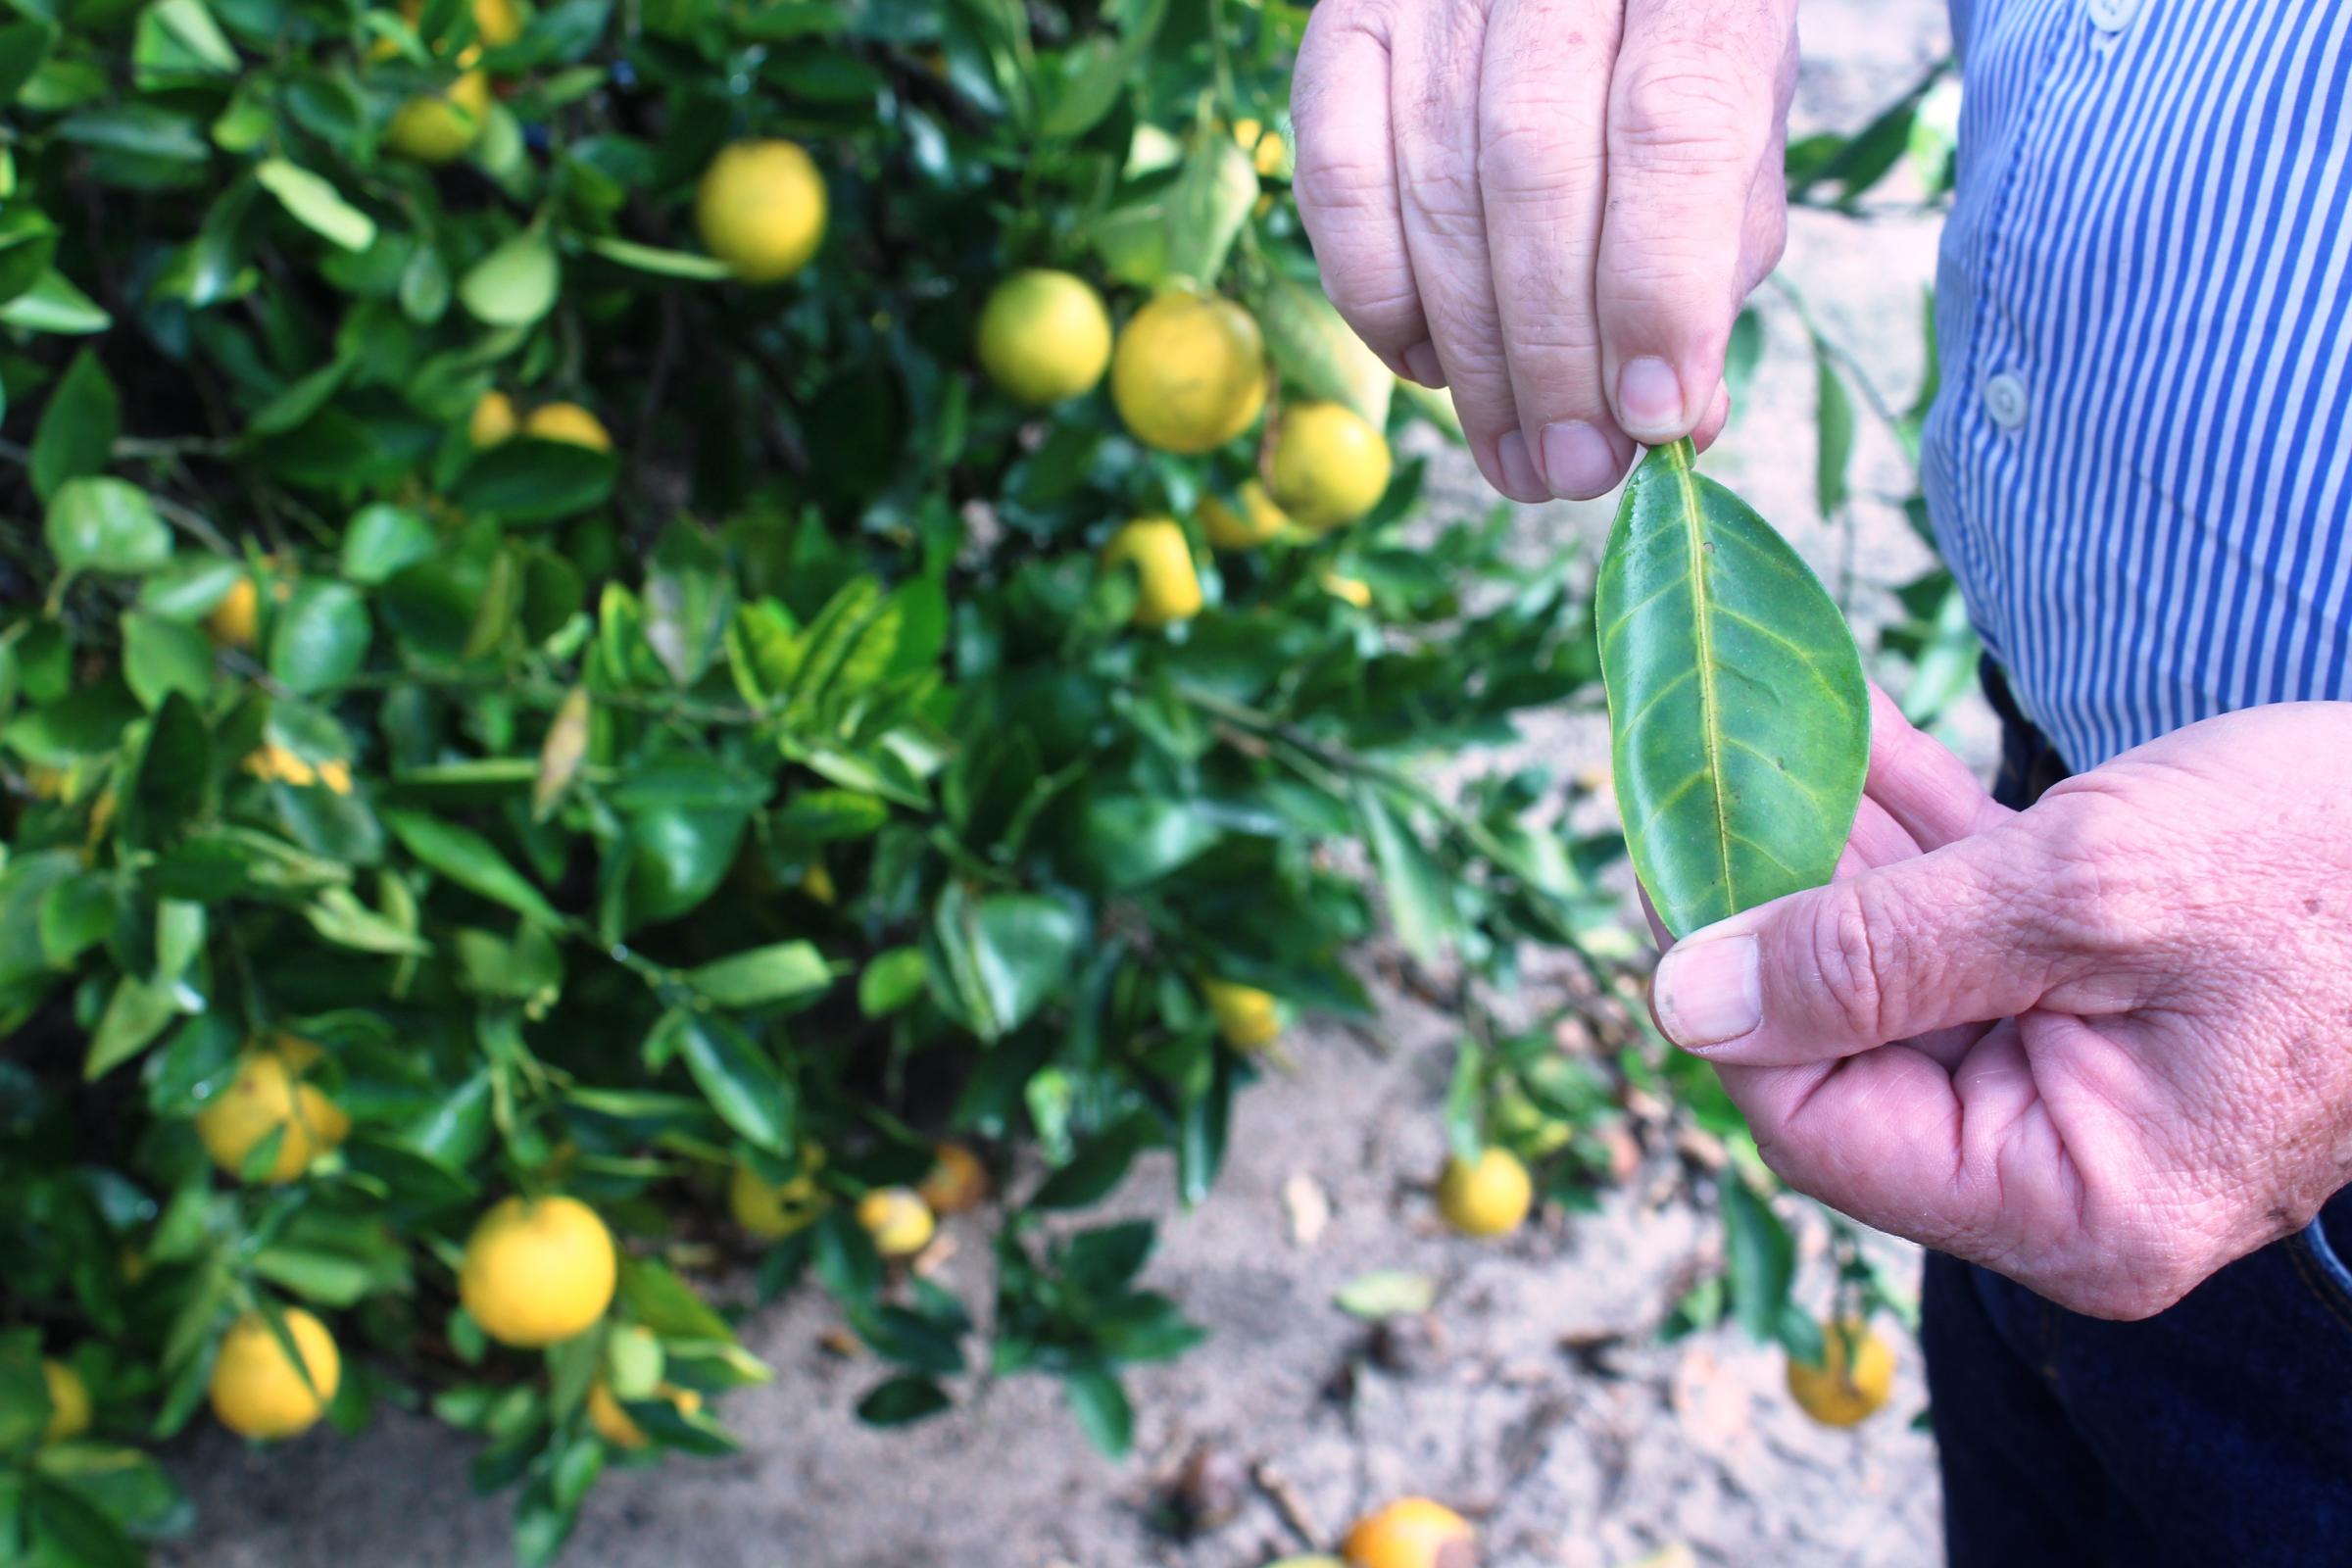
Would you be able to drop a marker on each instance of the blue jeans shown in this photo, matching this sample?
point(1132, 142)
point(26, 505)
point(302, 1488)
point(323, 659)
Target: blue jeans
point(2216, 1435)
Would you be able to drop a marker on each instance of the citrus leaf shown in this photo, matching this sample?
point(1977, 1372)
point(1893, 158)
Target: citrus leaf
point(787, 971)
point(315, 204)
point(1314, 348)
point(1387, 1292)
point(470, 861)
point(54, 305)
point(666, 263)
point(77, 429)
point(102, 524)
point(738, 1076)
point(1738, 719)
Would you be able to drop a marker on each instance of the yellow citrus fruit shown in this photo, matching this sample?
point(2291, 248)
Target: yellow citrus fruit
point(898, 1221)
point(760, 208)
point(1412, 1532)
point(436, 127)
point(490, 421)
point(536, 1273)
point(1258, 520)
point(957, 1181)
point(497, 22)
point(1246, 1017)
point(1855, 1376)
point(611, 1421)
point(258, 1389)
point(1044, 336)
point(1189, 372)
point(237, 619)
point(568, 422)
point(266, 1094)
point(1330, 466)
point(1265, 147)
point(1168, 585)
point(778, 1209)
point(1489, 1195)
point(1354, 590)
point(68, 1401)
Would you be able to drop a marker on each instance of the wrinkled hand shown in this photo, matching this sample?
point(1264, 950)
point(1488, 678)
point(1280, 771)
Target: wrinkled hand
point(1552, 206)
point(2103, 1046)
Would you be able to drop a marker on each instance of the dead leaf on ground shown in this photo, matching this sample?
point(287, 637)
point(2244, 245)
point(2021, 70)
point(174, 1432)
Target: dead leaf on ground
point(1308, 1206)
point(1715, 1411)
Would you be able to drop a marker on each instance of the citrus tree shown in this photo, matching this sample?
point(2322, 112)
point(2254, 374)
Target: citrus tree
point(638, 641)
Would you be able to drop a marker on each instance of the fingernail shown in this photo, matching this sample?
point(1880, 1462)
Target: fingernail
point(1650, 400)
point(1706, 993)
point(1421, 363)
point(1578, 460)
point(1519, 477)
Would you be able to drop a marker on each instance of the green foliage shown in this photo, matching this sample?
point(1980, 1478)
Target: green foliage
point(1739, 720)
point(784, 781)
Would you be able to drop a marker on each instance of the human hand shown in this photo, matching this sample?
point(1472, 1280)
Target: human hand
point(1552, 206)
point(2103, 1046)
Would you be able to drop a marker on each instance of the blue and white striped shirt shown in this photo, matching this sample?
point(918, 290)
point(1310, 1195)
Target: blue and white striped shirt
point(2139, 463)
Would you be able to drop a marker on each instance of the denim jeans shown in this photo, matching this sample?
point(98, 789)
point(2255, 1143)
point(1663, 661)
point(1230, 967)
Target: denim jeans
point(2216, 1435)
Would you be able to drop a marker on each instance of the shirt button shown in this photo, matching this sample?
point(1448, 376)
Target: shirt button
point(2005, 400)
point(2112, 16)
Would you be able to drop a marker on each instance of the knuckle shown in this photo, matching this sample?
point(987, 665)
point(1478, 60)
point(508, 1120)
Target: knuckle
point(2098, 893)
point(1671, 113)
point(1846, 937)
point(1530, 157)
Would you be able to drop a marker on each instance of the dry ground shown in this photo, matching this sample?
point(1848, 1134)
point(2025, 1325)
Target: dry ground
point(1569, 1462)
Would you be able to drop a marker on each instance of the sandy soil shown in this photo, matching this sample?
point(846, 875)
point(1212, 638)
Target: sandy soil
point(1568, 1456)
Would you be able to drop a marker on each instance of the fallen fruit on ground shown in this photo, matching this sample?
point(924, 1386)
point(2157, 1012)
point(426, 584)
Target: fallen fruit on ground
point(1246, 1017)
point(537, 1272)
point(257, 1391)
point(1189, 374)
point(492, 421)
point(957, 1181)
point(68, 1401)
point(268, 1095)
point(1167, 583)
point(1412, 1532)
point(1855, 1378)
point(1258, 520)
point(568, 422)
point(899, 1222)
point(1330, 466)
point(1489, 1195)
point(777, 1210)
point(760, 208)
point(1044, 336)
point(612, 1420)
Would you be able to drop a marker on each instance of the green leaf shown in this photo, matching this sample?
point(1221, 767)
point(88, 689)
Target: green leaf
point(1739, 719)
point(1314, 348)
point(470, 861)
point(1209, 205)
point(1420, 897)
point(167, 785)
point(162, 655)
point(737, 1075)
point(1834, 428)
point(77, 429)
point(666, 264)
point(1387, 1292)
point(515, 284)
point(891, 980)
point(1101, 1409)
point(1759, 1255)
point(382, 539)
point(1137, 839)
point(135, 1014)
point(55, 305)
point(106, 526)
point(1098, 1165)
point(1005, 955)
point(787, 971)
point(23, 45)
point(320, 639)
point(315, 204)
point(900, 1401)
point(529, 480)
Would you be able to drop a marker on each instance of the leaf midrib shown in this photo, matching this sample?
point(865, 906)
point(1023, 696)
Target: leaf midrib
point(1682, 460)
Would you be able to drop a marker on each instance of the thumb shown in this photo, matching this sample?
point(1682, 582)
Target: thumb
point(1956, 937)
